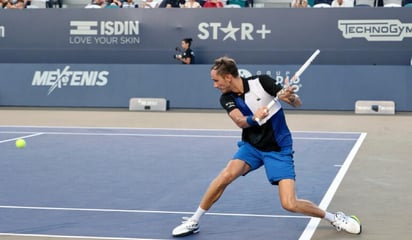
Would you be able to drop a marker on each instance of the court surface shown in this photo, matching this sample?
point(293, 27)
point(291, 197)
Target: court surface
point(137, 183)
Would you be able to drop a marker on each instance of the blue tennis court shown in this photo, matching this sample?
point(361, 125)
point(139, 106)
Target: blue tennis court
point(121, 183)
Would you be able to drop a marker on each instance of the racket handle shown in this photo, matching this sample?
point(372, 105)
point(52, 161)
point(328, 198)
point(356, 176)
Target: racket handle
point(269, 106)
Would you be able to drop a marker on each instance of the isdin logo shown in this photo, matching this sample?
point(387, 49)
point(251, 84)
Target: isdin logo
point(375, 30)
point(61, 78)
point(104, 33)
point(225, 31)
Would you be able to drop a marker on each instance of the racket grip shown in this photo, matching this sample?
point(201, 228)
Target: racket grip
point(269, 106)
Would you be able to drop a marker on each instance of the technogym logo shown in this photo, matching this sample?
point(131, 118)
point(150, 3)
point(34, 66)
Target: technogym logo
point(65, 77)
point(375, 30)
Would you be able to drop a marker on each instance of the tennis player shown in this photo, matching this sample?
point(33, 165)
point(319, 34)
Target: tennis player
point(267, 143)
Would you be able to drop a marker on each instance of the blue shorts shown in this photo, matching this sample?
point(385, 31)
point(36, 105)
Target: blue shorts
point(278, 165)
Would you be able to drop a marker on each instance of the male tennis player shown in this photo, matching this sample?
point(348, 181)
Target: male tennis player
point(267, 143)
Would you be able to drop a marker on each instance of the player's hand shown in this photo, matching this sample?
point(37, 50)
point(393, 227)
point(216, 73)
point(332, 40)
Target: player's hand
point(288, 95)
point(261, 113)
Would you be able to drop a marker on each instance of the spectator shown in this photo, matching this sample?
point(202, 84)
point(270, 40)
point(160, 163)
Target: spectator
point(299, 4)
point(241, 3)
point(96, 4)
point(50, 3)
point(129, 4)
point(14, 4)
point(150, 4)
point(191, 4)
point(342, 3)
point(213, 4)
point(322, 3)
point(174, 3)
point(113, 4)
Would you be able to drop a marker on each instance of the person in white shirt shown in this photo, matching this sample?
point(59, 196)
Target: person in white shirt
point(96, 4)
point(342, 3)
point(150, 4)
point(191, 4)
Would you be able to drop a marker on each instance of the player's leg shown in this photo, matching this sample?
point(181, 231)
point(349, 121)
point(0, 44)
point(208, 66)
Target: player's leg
point(233, 170)
point(290, 202)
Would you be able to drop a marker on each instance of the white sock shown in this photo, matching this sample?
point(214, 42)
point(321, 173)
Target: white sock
point(329, 216)
point(199, 212)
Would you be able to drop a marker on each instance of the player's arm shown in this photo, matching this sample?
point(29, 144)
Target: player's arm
point(228, 103)
point(243, 121)
point(286, 93)
point(289, 96)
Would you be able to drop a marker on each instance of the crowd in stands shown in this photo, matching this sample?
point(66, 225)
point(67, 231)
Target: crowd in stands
point(21, 4)
point(350, 3)
point(170, 3)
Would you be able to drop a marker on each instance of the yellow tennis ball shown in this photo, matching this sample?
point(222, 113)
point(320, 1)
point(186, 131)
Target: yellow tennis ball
point(20, 143)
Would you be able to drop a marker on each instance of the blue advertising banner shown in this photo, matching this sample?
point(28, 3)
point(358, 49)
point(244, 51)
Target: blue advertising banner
point(346, 36)
point(321, 87)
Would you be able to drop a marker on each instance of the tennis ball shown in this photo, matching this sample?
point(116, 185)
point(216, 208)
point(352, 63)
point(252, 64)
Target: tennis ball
point(20, 143)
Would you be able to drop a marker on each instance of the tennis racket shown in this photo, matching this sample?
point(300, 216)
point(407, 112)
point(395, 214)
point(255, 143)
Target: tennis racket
point(295, 76)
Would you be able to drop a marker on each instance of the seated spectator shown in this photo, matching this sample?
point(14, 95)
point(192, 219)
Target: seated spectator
point(129, 4)
point(342, 3)
point(150, 4)
point(113, 4)
point(322, 3)
point(96, 4)
point(16, 4)
point(213, 4)
point(191, 4)
point(50, 3)
point(299, 4)
point(174, 3)
point(241, 3)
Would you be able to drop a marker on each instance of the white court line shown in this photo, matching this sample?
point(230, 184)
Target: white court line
point(27, 136)
point(148, 211)
point(314, 222)
point(160, 129)
point(169, 135)
point(73, 237)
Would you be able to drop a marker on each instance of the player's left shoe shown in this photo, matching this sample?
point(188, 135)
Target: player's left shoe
point(188, 227)
point(350, 224)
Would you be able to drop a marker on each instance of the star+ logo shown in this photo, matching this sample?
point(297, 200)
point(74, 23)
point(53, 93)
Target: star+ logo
point(243, 31)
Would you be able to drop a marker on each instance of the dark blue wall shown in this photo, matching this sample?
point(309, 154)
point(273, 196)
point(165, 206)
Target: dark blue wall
point(348, 36)
point(321, 87)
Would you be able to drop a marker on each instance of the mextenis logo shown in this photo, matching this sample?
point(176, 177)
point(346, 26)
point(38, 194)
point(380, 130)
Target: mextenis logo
point(104, 32)
point(226, 31)
point(375, 30)
point(64, 78)
point(2, 32)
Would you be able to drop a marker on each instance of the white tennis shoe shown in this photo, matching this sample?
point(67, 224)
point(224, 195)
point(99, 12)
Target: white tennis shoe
point(350, 224)
point(188, 227)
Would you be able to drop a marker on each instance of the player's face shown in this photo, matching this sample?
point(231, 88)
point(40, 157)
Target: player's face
point(220, 82)
point(185, 45)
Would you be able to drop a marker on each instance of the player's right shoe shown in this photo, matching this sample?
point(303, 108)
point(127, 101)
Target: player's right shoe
point(350, 224)
point(188, 227)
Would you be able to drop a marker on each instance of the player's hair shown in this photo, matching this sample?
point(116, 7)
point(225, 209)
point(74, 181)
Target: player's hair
point(188, 40)
point(225, 65)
